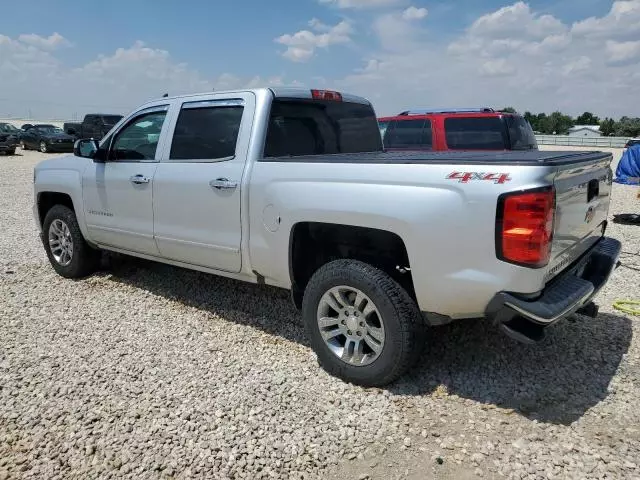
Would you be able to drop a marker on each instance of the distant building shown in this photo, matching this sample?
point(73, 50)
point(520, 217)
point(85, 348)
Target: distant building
point(585, 131)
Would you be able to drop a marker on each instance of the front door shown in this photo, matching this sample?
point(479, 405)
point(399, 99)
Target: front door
point(118, 193)
point(197, 187)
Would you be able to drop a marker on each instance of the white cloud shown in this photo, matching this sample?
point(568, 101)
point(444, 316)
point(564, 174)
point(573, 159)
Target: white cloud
point(576, 66)
point(622, 21)
point(35, 81)
point(512, 56)
point(623, 52)
point(496, 68)
point(362, 4)
point(516, 20)
point(53, 41)
point(301, 46)
point(397, 31)
point(413, 13)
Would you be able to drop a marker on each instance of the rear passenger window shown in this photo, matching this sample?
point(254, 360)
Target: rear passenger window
point(479, 133)
point(207, 131)
point(408, 134)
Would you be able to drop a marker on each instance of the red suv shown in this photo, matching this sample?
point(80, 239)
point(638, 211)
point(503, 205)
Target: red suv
point(457, 129)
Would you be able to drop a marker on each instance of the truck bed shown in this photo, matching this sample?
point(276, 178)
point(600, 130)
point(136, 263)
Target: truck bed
point(513, 157)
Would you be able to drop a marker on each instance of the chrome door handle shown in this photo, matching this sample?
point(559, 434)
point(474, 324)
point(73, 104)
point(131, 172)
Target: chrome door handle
point(221, 183)
point(139, 179)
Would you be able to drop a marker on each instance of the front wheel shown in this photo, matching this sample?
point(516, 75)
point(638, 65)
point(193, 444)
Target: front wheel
point(43, 147)
point(68, 252)
point(23, 145)
point(363, 326)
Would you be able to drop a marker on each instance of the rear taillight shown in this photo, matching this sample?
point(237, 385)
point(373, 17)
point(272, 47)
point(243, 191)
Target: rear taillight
point(524, 227)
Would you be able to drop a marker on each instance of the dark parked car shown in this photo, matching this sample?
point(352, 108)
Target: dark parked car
point(46, 138)
point(94, 125)
point(9, 138)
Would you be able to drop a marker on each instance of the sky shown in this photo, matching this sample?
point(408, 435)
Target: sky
point(63, 59)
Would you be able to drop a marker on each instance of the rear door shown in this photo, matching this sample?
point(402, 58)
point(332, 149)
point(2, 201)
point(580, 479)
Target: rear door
point(198, 184)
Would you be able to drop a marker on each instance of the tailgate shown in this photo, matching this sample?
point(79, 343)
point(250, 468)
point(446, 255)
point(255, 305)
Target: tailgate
point(583, 192)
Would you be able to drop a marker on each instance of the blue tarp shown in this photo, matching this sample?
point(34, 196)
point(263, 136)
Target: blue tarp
point(628, 170)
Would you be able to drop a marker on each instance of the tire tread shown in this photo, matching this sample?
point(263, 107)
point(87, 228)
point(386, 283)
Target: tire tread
point(85, 258)
point(412, 326)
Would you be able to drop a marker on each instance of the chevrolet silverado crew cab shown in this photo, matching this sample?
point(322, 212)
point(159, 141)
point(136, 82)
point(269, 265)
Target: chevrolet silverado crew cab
point(291, 188)
point(457, 129)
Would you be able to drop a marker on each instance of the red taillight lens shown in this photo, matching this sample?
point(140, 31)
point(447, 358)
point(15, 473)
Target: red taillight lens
point(326, 95)
point(525, 227)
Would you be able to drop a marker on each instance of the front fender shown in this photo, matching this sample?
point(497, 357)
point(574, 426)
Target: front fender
point(65, 181)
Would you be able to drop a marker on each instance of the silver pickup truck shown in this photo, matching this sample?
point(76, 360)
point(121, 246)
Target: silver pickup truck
point(292, 188)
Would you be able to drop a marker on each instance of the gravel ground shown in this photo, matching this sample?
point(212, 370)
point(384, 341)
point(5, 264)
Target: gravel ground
point(149, 371)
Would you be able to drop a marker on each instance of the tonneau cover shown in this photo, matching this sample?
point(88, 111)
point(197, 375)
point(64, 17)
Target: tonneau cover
point(510, 157)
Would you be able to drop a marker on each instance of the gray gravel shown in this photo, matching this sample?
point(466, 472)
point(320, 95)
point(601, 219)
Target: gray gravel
point(148, 371)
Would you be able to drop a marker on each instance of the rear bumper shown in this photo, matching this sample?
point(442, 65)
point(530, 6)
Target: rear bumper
point(525, 319)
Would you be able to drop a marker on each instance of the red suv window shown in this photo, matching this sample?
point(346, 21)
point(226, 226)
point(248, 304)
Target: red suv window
point(481, 133)
point(486, 130)
point(408, 134)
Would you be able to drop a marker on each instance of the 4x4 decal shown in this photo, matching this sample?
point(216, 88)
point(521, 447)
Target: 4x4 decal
point(465, 177)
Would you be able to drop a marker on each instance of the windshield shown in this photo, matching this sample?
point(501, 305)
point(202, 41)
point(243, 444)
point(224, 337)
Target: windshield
point(5, 127)
point(50, 130)
point(298, 127)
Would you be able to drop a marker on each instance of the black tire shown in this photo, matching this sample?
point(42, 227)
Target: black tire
point(405, 330)
point(11, 152)
point(23, 145)
point(85, 259)
point(44, 148)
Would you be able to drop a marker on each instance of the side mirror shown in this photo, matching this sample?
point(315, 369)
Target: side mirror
point(88, 148)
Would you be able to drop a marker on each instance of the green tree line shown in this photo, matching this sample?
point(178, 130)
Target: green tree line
point(558, 123)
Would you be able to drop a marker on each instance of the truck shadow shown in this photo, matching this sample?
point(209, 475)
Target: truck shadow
point(556, 381)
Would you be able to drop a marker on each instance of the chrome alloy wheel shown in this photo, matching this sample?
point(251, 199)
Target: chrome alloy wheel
point(351, 325)
point(61, 242)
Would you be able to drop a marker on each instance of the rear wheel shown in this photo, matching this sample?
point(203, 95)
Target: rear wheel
point(11, 152)
point(23, 145)
point(363, 326)
point(68, 252)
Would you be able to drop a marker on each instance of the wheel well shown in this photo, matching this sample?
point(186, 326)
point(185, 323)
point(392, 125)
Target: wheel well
point(314, 244)
point(46, 200)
